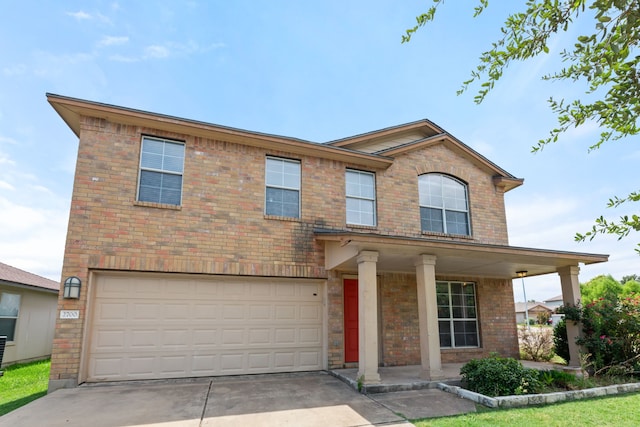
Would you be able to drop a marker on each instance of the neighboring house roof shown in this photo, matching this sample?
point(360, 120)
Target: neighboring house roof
point(520, 306)
point(557, 298)
point(14, 276)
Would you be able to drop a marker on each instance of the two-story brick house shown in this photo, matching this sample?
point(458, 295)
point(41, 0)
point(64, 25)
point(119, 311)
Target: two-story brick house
point(204, 250)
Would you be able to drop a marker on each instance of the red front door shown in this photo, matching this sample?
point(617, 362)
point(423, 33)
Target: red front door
point(350, 320)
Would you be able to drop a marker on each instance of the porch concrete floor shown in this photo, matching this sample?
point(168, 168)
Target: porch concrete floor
point(404, 378)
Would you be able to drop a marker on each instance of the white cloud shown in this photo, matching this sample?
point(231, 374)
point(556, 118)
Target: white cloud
point(167, 50)
point(6, 186)
point(156, 51)
point(5, 160)
point(113, 41)
point(7, 140)
point(550, 221)
point(33, 238)
point(80, 15)
point(14, 70)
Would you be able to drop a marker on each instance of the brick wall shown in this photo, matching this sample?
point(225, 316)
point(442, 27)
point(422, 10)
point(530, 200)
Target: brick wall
point(398, 321)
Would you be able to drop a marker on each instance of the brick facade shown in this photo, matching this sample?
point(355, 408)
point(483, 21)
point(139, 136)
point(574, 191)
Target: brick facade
point(221, 228)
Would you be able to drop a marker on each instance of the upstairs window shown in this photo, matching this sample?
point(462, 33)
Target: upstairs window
point(282, 195)
point(444, 206)
point(9, 309)
point(457, 317)
point(161, 168)
point(361, 197)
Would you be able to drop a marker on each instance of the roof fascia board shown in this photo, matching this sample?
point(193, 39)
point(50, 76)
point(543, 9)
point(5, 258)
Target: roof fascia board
point(71, 109)
point(29, 287)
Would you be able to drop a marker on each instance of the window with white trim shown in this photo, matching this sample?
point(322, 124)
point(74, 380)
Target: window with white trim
point(457, 316)
point(444, 207)
point(282, 193)
point(161, 168)
point(361, 197)
point(9, 310)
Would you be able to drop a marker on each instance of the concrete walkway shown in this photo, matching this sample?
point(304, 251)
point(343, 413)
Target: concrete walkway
point(301, 400)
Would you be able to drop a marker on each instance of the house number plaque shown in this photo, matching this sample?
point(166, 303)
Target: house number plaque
point(69, 314)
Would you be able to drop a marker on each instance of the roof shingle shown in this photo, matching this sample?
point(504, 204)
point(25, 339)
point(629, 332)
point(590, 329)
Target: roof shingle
point(15, 275)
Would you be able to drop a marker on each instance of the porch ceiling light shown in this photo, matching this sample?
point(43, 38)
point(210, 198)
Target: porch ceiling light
point(522, 273)
point(72, 287)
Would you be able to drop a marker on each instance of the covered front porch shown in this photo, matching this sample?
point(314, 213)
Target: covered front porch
point(367, 256)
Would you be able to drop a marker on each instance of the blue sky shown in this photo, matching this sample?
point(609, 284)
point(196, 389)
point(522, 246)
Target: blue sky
point(316, 70)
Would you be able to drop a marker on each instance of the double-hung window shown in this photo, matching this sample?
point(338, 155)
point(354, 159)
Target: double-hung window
point(361, 197)
point(282, 194)
point(9, 309)
point(457, 317)
point(444, 207)
point(161, 168)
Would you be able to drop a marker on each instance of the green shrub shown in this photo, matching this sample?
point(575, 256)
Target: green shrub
point(559, 379)
point(560, 341)
point(497, 376)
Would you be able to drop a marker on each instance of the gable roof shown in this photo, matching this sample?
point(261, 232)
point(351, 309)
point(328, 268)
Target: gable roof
point(374, 149)
point(72, 109)
point(520, 306)
point(14, 276)
point(395, 140)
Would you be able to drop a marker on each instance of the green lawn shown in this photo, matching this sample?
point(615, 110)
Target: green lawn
point(23, 383)
point(618, 411)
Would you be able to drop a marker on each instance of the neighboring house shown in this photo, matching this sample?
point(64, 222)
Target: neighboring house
point(28, 308)
point(205, 250)
point(554, 302)
point(534, 309)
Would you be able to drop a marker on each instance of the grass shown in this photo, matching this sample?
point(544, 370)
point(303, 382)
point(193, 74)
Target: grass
point(23, 383)
point(618, 411)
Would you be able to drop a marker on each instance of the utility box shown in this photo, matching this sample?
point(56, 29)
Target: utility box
point(3, 342)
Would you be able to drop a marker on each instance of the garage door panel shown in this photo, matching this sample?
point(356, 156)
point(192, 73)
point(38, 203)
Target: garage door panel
point(106, 340)
point(205, 337)
point(260, 312)
point(308, 359)
point(143, 339)
point(232, 363)
point(285, 312)
point(233, 337)
point(206, 311)
point(112, 311)
point(145, 328)
point(310, 336)
point(260, 336)
point(233, 312)
point(144, 311)
point(284, 359)
point(310, 312)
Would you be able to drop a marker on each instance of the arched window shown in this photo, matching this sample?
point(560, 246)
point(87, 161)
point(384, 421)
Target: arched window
point(444, 207)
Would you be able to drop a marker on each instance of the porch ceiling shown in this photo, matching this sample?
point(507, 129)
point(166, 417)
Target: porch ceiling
point(453, 258)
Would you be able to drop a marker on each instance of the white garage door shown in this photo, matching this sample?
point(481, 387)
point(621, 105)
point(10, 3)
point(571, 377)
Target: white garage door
point(148, 327)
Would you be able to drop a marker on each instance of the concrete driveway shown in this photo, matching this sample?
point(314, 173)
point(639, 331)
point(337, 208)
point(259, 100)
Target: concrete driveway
point(301, 400)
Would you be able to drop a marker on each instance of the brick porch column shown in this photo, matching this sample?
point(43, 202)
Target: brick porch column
point(571, 295)
point(428, 318)
point(368, 317)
